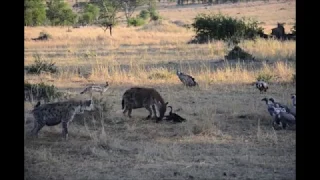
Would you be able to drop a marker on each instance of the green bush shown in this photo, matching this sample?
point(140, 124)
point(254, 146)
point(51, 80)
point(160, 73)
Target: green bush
point(144, 14)
point(40, 91)
point(41, 66)
point(34, 12)
point(89, 15)
point(222, 27)
point(154, 15)
point(60, 13)
point(136, 21)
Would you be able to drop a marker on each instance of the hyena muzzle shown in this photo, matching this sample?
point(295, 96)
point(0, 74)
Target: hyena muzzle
point(149, 98)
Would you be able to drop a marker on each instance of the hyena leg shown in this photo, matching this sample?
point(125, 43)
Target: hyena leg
point(65, 130)
point(150, 112)
point(125, 110)
point(37, 128)
point(154, 111)
point(129, 112)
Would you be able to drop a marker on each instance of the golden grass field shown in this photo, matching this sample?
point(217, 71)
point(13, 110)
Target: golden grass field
point(227, 134)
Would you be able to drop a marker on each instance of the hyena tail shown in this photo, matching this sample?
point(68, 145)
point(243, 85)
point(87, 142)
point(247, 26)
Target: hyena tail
point(122, 103)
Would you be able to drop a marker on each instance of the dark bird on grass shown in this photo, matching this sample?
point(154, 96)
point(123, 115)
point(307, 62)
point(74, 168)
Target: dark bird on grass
point(174, 117)
point(271, 107)
point(187, 80)
point(262, 86)
point(282, 116)
point(278, 105)
point(273, 111)
point(284, 119)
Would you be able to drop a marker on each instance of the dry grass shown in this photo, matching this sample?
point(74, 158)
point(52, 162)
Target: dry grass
point(227, 134)
point(266, 13)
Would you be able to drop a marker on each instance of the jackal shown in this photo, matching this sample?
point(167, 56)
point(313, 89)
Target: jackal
point(149, 98)
point(96, 88)
point(52, 114)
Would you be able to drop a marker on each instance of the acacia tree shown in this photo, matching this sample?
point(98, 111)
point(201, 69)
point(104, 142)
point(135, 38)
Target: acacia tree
point(60, 13)
point(34, 12)
point(108, 9)
point(129, 6)
point(90, 14)
point(108, 13)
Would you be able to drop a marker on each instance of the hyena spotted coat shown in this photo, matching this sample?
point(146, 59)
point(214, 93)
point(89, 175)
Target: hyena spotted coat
point(140, 97)
point(59, 112)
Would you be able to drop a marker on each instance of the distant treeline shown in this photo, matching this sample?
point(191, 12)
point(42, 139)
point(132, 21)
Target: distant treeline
point(183, 2)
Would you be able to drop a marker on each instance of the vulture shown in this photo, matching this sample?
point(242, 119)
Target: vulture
point(278, 105)
point(262, 86)
point(96, 88)
point(282, 116)
point(293, 109)
point(174, 117)
point(187, 80)
point(293, 97)
point(271, 107)
point(283, 119)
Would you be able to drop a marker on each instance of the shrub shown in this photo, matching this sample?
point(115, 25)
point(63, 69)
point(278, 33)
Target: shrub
point(154, 15)
point(60, 13)
point(144, 14)
point(34, 12)
point(41, 66)
point(40, 91)
point(221, 27)
point(90, 14)
point(136, 21)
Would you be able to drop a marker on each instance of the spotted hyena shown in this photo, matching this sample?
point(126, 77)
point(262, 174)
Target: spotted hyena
point(52, 114)
point(140, 97)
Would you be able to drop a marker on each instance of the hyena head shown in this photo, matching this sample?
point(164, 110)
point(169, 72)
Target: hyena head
point(86, 105)
point(162, 109)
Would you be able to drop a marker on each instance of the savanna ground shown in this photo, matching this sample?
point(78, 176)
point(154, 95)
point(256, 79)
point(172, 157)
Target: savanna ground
point(227, 134)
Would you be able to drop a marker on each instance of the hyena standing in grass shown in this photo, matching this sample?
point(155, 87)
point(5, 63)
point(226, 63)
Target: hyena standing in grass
point(59, 112)
point(149, 98)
